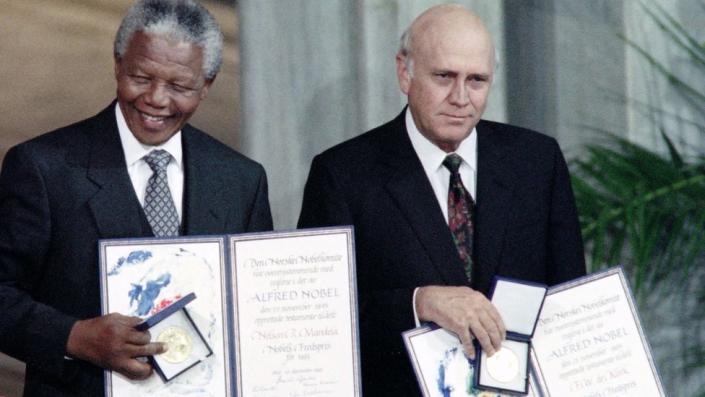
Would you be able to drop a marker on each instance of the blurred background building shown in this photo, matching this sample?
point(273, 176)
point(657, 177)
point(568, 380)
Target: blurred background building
point(57, 67)
point(302, 75)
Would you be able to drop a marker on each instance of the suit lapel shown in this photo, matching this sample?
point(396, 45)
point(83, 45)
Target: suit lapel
point(205, 208)
point(115, 206)
point(494, 194)
point(410, 189)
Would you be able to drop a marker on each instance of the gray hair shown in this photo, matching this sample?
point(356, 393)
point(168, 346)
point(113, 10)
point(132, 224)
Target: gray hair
point(405, 50)
point(183, 20)
point(406, 45)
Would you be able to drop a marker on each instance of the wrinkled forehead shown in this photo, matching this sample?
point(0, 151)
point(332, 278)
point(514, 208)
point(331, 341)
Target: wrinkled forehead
point(451, 30)
point(164, 47)
point(463, 47)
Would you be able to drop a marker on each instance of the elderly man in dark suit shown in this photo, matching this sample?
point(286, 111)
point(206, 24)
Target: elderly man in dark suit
point(442, 201)
point(102, 178)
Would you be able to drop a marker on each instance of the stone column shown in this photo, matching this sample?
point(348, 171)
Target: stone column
point(566, 68)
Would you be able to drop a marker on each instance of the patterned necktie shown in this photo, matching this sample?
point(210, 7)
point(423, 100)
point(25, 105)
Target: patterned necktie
point(158, 204)
point(460, 213)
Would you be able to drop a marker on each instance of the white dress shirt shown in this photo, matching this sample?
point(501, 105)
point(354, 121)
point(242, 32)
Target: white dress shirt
point(432, 157)
point(139, 170)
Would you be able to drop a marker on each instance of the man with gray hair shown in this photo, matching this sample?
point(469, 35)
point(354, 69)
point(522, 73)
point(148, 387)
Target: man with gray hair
point(102, 178)
point(443, 201)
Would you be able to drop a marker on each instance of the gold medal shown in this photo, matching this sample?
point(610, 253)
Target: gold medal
point(179, 344)
point(503, 366)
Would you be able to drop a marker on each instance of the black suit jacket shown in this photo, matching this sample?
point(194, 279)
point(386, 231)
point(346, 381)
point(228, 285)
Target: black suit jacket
point(59, 194)
point(526, 227)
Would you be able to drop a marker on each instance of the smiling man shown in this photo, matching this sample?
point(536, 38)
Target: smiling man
point(160, 83)
point(102, 178)
point(443, 201)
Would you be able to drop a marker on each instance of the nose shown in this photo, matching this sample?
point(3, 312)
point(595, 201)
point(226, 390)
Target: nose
point(460, 94)
point(157, 95)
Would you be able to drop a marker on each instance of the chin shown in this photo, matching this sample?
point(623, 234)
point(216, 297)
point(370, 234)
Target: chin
point(154, 138)
point(458, 134)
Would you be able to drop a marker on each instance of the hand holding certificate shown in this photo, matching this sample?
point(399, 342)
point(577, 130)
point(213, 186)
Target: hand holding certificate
point(587, 342)
point(289, 299)
point(442, 369)
point(174, 327)
point(465, 312)
point(111, 341)
point(519, 303)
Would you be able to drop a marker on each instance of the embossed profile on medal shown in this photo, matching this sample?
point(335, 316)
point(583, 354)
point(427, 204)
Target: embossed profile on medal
point(179, 342)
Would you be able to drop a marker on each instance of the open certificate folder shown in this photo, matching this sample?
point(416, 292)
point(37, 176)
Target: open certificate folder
point(272, 314)
point(588, 341)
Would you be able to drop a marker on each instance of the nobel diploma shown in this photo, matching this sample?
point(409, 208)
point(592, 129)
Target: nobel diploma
point(589, 341)
point(295, 311)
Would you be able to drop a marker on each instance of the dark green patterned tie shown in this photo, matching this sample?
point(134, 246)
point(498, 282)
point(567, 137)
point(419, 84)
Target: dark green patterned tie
point(460, 213)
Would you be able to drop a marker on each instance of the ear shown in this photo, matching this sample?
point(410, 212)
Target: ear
point(206, 86)
point(116, 66)
point(403, 74)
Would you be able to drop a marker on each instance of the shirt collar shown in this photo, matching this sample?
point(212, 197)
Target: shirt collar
point(135, 150)
point(432, 156)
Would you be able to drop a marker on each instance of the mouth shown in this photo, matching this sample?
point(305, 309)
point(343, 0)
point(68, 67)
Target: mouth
point(456, 118)
point(153, 121)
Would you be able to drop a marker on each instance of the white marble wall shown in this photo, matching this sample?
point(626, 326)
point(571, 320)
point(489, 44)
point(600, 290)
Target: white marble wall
point(566, 68)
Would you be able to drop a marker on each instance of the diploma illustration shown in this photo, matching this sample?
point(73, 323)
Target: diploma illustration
point(142, 277)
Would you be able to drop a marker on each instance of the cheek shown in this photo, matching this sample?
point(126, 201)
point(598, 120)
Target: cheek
point(187, 105)
point(479, 98)
point(128, 92)
point(430, 100)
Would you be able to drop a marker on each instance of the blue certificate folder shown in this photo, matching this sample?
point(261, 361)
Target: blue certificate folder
point(172, 319)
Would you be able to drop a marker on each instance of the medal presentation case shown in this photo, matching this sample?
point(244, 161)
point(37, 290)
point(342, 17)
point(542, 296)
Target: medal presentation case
point(185, 344)
point(507, 370)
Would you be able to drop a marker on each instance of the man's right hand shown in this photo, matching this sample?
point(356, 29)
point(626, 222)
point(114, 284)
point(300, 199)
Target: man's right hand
point(112, 342)
point(466, 313)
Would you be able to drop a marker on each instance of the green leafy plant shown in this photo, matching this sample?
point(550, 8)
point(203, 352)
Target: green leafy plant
point(642, 208)
point(646, 209)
